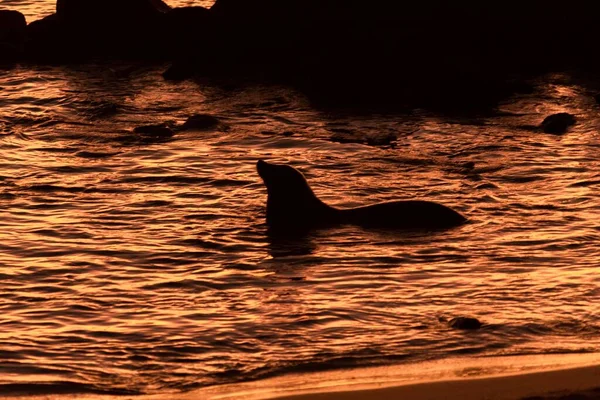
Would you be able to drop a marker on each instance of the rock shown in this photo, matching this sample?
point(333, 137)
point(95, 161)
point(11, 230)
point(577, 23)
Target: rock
point(185, 28)
point(382, 140)
point(180, 71)
point(201, 122)
point(558, 123)
point(83, 29)
point(160, 131)
point(187, 19)
point(12, 27)
point(464, 323)
point(12, 35)
point(597, 98)
point(46, 41)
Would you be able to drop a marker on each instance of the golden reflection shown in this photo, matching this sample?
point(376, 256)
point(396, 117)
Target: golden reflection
point(154, 257)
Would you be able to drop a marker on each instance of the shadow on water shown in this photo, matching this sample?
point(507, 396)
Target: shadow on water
point(291, 244)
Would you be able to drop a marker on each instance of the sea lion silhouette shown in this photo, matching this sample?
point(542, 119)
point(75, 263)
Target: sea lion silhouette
point(292, 206)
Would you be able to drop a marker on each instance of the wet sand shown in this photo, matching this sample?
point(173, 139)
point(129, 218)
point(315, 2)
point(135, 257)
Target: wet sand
point(547, 377)
point(573, 384)
point(552, 377)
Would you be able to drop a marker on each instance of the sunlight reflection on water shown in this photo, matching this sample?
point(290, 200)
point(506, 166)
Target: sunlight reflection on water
point(140, 266)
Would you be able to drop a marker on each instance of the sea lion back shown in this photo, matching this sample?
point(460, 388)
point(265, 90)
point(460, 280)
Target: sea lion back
point(410, 214)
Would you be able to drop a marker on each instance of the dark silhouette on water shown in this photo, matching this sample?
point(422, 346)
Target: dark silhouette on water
point(559, 123)
point(12, 35)
point(433, 53)
point(293, 207)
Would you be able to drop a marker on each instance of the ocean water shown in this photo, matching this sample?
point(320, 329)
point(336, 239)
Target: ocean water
point(137, 266)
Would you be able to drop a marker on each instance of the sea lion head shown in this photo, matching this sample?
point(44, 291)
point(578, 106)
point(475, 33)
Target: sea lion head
point(283, 180)
point(290, 201)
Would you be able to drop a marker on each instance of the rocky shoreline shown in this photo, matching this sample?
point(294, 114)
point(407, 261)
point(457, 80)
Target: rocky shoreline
point(432, 53)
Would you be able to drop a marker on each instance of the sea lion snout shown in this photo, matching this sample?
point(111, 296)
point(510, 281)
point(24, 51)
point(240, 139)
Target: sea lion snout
point(261, 167)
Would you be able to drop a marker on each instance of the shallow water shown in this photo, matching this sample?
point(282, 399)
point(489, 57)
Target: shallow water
point(131, 265)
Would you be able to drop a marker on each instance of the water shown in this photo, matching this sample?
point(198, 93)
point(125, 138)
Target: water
point(132, 266)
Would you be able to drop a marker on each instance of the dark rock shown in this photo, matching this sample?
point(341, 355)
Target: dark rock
point(189, 33)
point(201, 122)
point(597, 98)
point(347, 52)
point(161, 131)
point(558, 123)
point(188, 21)
point(12, 35)
point(46, 40)
point(12, 26)
point(381, 140)
point(180, 71)
point(82, 29)
point(465, 323)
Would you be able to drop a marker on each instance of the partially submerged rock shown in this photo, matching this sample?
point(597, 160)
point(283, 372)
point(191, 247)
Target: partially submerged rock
point(201, 122)
point(463, 323)
point(558, 123)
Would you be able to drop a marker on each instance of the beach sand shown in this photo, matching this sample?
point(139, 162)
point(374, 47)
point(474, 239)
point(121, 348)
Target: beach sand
point(552, 377)
point(549, 377)
point(564, 384)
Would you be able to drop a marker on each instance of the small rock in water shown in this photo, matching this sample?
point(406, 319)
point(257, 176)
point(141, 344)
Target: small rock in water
point(161, 131)
point(558, 123)
point(465, 323)
point(201, 122)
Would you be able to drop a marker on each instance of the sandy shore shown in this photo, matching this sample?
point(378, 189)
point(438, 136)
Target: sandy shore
point(553, 377)
point(585, 382)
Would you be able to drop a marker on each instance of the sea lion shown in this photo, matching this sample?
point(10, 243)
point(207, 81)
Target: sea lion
point(292, 206)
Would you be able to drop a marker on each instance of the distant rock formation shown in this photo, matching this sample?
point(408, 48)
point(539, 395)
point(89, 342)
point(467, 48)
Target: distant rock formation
point(427, 53)
point(92, 28)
